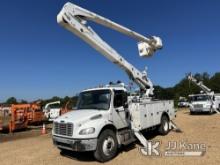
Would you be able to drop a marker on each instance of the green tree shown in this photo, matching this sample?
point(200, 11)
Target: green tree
point(183, 88)
point(11, 100)
point(23, 101)
point(215, 82)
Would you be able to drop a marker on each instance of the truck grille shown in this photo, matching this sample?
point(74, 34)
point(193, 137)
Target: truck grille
point(65, 129)
point(198, 106)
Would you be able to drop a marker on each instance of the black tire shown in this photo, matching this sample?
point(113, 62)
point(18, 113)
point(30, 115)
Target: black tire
point(192, 113)
point(107, 140)
point(63, 151)
point(164, 126)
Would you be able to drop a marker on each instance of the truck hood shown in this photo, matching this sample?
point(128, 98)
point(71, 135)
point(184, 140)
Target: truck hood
point(76, 116)
point(199, 102)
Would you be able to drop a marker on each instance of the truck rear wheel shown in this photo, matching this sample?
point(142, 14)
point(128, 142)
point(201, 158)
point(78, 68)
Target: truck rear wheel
point(107, 146)
point(164, 126)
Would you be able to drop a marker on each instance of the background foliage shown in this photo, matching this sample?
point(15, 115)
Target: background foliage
point(183, 88)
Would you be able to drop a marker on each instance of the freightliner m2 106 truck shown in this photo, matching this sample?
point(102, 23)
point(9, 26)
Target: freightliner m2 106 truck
point(108, 117)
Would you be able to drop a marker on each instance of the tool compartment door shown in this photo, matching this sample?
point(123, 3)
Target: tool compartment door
point(148, 114)
point(142, 115)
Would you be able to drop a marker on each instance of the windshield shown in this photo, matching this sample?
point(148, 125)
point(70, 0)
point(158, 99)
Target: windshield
point(54, 106)
point(97, 99)
point(199, 98)
point(182, 100)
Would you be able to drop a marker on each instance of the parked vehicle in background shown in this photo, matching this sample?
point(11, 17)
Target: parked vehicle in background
point(204, 103)
point(207, 101)
point(52, 110)
point(183, 102)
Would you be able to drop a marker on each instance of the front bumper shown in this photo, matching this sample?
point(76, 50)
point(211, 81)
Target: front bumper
point(200, 109)
point(75, 144)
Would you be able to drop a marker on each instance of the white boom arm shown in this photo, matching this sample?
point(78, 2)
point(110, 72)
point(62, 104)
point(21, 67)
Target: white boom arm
point(200, 84)
point(74, 19)
point(51, 103)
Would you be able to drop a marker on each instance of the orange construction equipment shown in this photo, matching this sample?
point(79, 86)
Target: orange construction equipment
point(18, 116)
point(65, 109)
point(18, 119)
point(35, 114)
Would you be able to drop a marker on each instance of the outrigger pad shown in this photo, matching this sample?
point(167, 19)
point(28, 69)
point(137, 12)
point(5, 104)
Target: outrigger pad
point(174, 127)
point(178, 130)
point(216, 111)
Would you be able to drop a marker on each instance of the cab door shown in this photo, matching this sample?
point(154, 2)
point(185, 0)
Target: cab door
point(120, 111)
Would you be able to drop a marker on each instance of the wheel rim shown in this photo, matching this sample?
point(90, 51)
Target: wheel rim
point(165, 126)
point(108, 145)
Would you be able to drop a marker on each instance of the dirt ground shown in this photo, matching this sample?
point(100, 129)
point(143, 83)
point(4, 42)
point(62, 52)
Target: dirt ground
point(31, 148)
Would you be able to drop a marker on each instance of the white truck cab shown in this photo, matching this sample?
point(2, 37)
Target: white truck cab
point(204, 103)
point(105, 119)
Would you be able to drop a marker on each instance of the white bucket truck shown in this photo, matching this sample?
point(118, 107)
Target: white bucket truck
point(206, 101)
point(107, 117)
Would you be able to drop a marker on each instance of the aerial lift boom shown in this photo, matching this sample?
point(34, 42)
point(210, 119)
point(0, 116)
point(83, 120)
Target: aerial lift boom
point(74, 18)
point(200, 84)
point(52, 103)
point(47, 110)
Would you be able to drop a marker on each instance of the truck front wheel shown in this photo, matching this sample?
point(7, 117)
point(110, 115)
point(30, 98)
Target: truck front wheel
point(107, 146)
point(164, 125)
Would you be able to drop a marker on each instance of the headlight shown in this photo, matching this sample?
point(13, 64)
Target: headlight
point(87, 131)
point(208, 106)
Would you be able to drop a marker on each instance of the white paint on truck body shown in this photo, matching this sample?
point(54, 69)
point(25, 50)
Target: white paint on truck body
point(139, 115)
